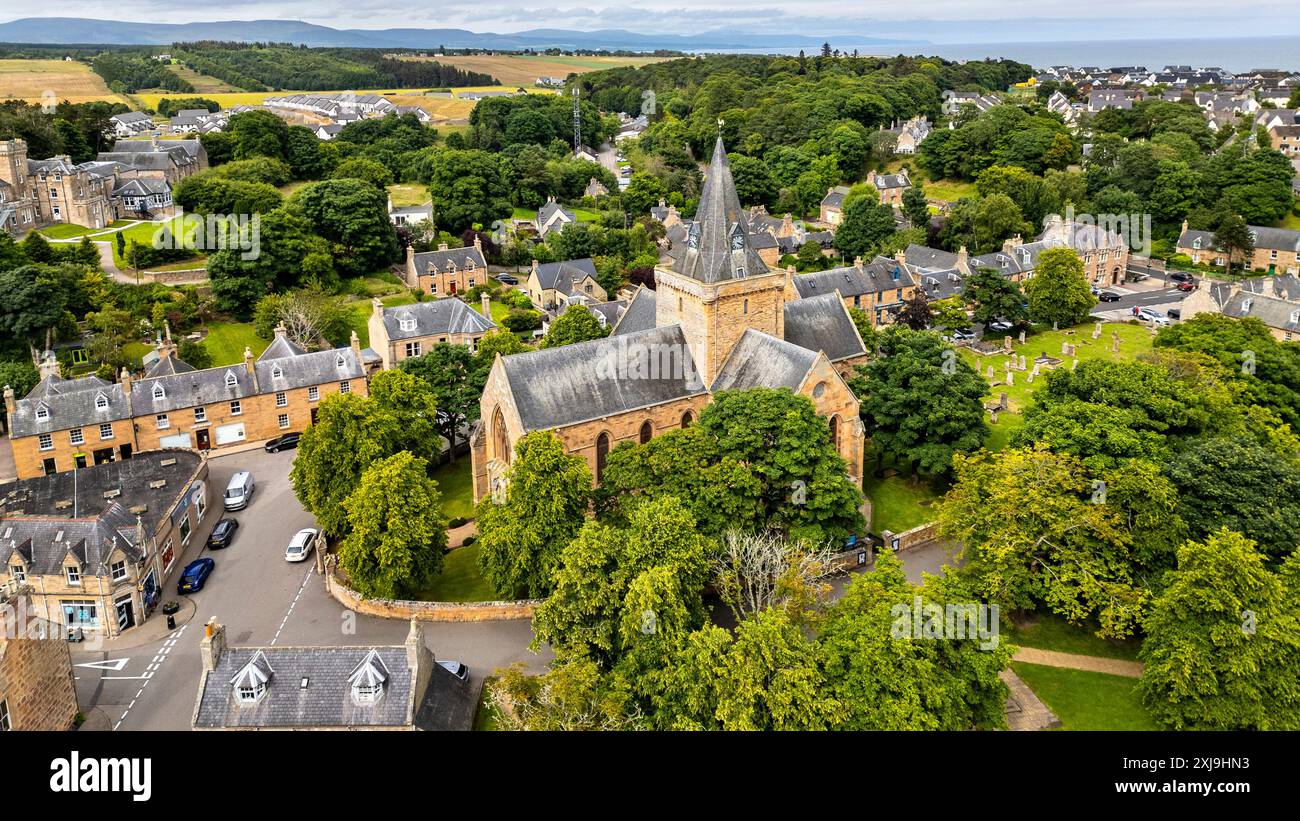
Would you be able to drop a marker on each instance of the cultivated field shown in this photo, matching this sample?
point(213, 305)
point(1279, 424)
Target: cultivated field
point(203, 84)
point(29, 80)
point(523, 69)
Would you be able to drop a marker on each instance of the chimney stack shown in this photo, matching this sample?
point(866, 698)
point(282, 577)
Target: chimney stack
point(486, 302)
point(248, 361)
point(213, 644)
point(125, 379)
point(963, 260)
point(355, 342)
point(442, 246)
point(11, 402)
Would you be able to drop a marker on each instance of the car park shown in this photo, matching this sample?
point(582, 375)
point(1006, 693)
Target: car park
point(288, 441)
point(223, 533)
point(301, 545)
point(195, 575)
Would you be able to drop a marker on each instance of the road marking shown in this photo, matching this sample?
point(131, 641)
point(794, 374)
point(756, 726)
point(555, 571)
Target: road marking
point(115, 665)
point(148, 676)
point(292, 604)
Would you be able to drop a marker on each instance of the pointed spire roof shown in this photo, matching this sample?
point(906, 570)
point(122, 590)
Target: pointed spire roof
point(718, 247)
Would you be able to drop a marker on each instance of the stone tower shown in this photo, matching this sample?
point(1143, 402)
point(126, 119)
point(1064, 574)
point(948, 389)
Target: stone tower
point(13, 165)
point(717, 286)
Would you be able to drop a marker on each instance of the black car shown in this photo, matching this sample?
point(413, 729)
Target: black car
point(286, 442)
point(1174, 313)
point(1108, 296)
point(507, 279)
point(222, 534)
point(1180, 276)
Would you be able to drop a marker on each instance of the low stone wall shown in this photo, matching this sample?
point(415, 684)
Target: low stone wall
point(428, 610)
point(189, 276)
point(920, 534)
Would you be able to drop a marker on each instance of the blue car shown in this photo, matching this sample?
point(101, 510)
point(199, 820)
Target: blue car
point(194, 575)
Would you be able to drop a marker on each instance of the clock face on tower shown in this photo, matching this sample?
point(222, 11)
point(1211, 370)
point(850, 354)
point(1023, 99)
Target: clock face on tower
point(737, 241)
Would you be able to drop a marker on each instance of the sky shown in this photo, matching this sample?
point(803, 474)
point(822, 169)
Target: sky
point(950, 21)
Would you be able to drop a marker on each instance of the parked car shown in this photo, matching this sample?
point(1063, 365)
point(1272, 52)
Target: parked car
point(288, 441)
point(1174, 313)
point(1186, 285)
point(457, 669)
point(1151, 315)
point(300, 546)
point(240, 491)
point(1108, 296)
point(195, 575)
point(962, 335)
point(1000, 325)
point(1180, 276)
point(507, 279)
point(223, 533)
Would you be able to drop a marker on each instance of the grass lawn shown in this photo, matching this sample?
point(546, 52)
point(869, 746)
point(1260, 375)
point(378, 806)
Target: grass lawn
point(136, 350)
point(1085, 700)
point(897, 503)
point(457, 490)
point(948, 190)
point(226, 342)
point(1291, 221)
point(66, 230)
point(1000, 433)
point(459, 579)
point(499, 311)
point(1134, 340)
point(582, 214)
point(143, 233)
point(408, 193)
point(1051, 632)
point(360, 319)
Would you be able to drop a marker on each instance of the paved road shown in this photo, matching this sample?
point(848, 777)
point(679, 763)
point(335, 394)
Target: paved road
point(263, 600)
point(1161, 299)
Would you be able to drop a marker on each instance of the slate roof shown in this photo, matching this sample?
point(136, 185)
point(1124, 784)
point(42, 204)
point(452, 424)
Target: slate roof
point(168, 366)
point(759, 360)
point(435, 318)
point(564, 275)
point(131, 118)
point(450, 259)
point(640, 313)
point(881, 274)
point(553, 217)
point(188, 389)
point(610, 311)
point(1272, 311)
point(822, 323)
point(835, 197)
point(43, 542)
point(71, 404)
point(921, 256)
point(561, 386)
point(281, 347)
point(304, 370)
point(142, 186)
point(885, 182)
point(192, 148)
point(718, 245)
point(1280, 239)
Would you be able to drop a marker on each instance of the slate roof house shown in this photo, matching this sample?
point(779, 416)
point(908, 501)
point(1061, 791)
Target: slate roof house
point(96, 547)
point(879, 287)
point(1277, 250)
point(552, 217)
point(552, 285)
point(890, 187)
point(404, 331)
point(832, 205)
point(1273, 300)
point(446, 271)
point(399, 687)
point(717, 319)
point(131, 123)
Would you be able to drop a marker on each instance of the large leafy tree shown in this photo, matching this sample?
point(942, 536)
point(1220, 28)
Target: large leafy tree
point(543, 506)
point(467, 187)
point(1059, 292)
point(757, 459)
point(353, 215)
point(32, 302)
point(457, 385)
point(287, 254)
point(397, 531)
point(992, 296)
point(1234, 239)
point(1223, 641)
point(576, 324)
point(865, 226)
point(921, 401)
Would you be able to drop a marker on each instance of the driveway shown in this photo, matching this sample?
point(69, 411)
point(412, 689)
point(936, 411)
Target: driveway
point(263, 600)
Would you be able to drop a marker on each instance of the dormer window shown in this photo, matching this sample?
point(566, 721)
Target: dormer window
point(74, 575)
point(42, 412)
point(1196, 243)
point(406, 322)
point(101, 402)
point(339, 362)
point(159, 393)
point(368, 679)
point(251, 681)
point(18, 572)
point(277, 372)
point(231, 379)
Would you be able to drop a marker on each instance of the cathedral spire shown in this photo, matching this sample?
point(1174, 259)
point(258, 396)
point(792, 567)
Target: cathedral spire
point(717, 246)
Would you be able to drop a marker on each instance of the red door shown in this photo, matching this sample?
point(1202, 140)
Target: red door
point(204, 438)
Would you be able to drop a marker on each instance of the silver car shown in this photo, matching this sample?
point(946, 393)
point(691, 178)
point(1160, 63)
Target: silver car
point(301, 545)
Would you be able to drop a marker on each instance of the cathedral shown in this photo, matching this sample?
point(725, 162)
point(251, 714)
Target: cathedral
point(718, 319)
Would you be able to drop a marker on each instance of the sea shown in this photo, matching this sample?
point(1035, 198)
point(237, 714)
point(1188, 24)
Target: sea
point(1239, 54)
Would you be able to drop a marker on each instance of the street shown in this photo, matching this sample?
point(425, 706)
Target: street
point(1160, 298)
point(262, 600)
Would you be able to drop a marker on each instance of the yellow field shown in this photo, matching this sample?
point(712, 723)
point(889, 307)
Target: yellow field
point(523, 69)
point(203, 84)
point(29, 80)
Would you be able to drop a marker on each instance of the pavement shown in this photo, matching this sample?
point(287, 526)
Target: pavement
point(148, 679)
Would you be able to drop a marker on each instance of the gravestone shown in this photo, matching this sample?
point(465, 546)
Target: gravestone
point(1114, 342)
point(1074, 364)
point(990, 373)
point(993, 415)
point(1022, 337)
point(1011, 378)
point(1006, 344)
point(1002, 400)
point(1030, 378)
point(1022, 362)
point(1096, 331)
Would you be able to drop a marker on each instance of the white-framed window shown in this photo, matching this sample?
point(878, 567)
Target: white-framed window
point(18, 572)
point(200, 414)
point(339, 361)
point(6, 723)
point(73, 575)
point(345, 386)
point(412, 349)
point(76, 436)
point(185, 530)
point(277, 372)
point(118, 571)
point(106, 430)
point(313, 393)
point(236, 408)
point(283, 420)
point(159, 393)
point(45, 441)
point(101, 402)
point(406, 323)
point(162, 421)
point(281, 399)
point(250, 694)
point(42, 412)
point(231, 379)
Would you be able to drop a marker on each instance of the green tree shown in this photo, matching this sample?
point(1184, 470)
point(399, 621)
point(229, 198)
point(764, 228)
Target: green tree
point(1234, 239)
point(353, 216)
point(32, 302)
point(541, 508)
point(397, 532)
point(916, 206)
point(576, 324)
point(921, 401)
point(467, 188)
point(1059, 292)
point(360, 168)
point(865, 226)
point(258, 134)
point(1223, 641)
point(457, 385)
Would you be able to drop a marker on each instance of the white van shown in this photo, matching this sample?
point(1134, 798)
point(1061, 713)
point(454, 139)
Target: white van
point(240, 491)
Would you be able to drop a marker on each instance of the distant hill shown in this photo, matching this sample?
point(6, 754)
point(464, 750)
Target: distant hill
point(81, 31)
